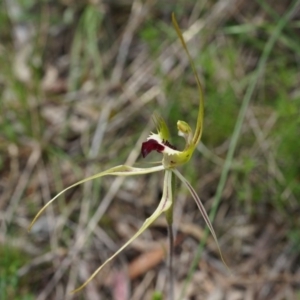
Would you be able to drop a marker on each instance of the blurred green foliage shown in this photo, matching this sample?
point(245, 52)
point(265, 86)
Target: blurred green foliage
point(11, 287)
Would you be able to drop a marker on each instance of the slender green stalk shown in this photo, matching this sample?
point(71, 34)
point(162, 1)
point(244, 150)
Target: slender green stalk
point(169, 217)
point(170, 262)
point(237, 130)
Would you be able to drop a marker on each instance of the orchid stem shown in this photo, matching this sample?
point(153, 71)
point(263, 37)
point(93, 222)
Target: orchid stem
point(169, 217)
point(170, 262)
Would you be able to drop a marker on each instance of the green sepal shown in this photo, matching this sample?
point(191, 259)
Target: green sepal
point(164, 205)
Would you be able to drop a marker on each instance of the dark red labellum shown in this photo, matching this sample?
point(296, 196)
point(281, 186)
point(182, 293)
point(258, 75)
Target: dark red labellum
point(151, 145)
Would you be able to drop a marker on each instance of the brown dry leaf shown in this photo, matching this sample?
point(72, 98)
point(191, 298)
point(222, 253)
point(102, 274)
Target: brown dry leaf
point(149, 260)
point(146, 262)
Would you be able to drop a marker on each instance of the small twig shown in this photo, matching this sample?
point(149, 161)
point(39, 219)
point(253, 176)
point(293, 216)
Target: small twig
point(138, 12)
point(22, 183)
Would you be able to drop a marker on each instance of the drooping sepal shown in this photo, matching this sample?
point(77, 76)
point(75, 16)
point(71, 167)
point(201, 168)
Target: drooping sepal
point(121, 170)
point(202, 211)
point(164, 205)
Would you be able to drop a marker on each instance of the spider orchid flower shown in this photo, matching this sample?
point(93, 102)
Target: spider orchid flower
point(172, 158)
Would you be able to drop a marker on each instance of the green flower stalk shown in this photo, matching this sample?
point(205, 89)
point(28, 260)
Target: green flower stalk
point(172, 158)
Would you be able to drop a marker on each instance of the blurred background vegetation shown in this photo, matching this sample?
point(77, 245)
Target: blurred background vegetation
point(79, 82)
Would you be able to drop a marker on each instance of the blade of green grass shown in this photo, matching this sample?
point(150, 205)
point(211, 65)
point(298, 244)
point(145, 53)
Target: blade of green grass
point(290, 41)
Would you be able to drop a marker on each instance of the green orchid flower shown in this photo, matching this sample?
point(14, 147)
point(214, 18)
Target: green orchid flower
point(172, 158)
